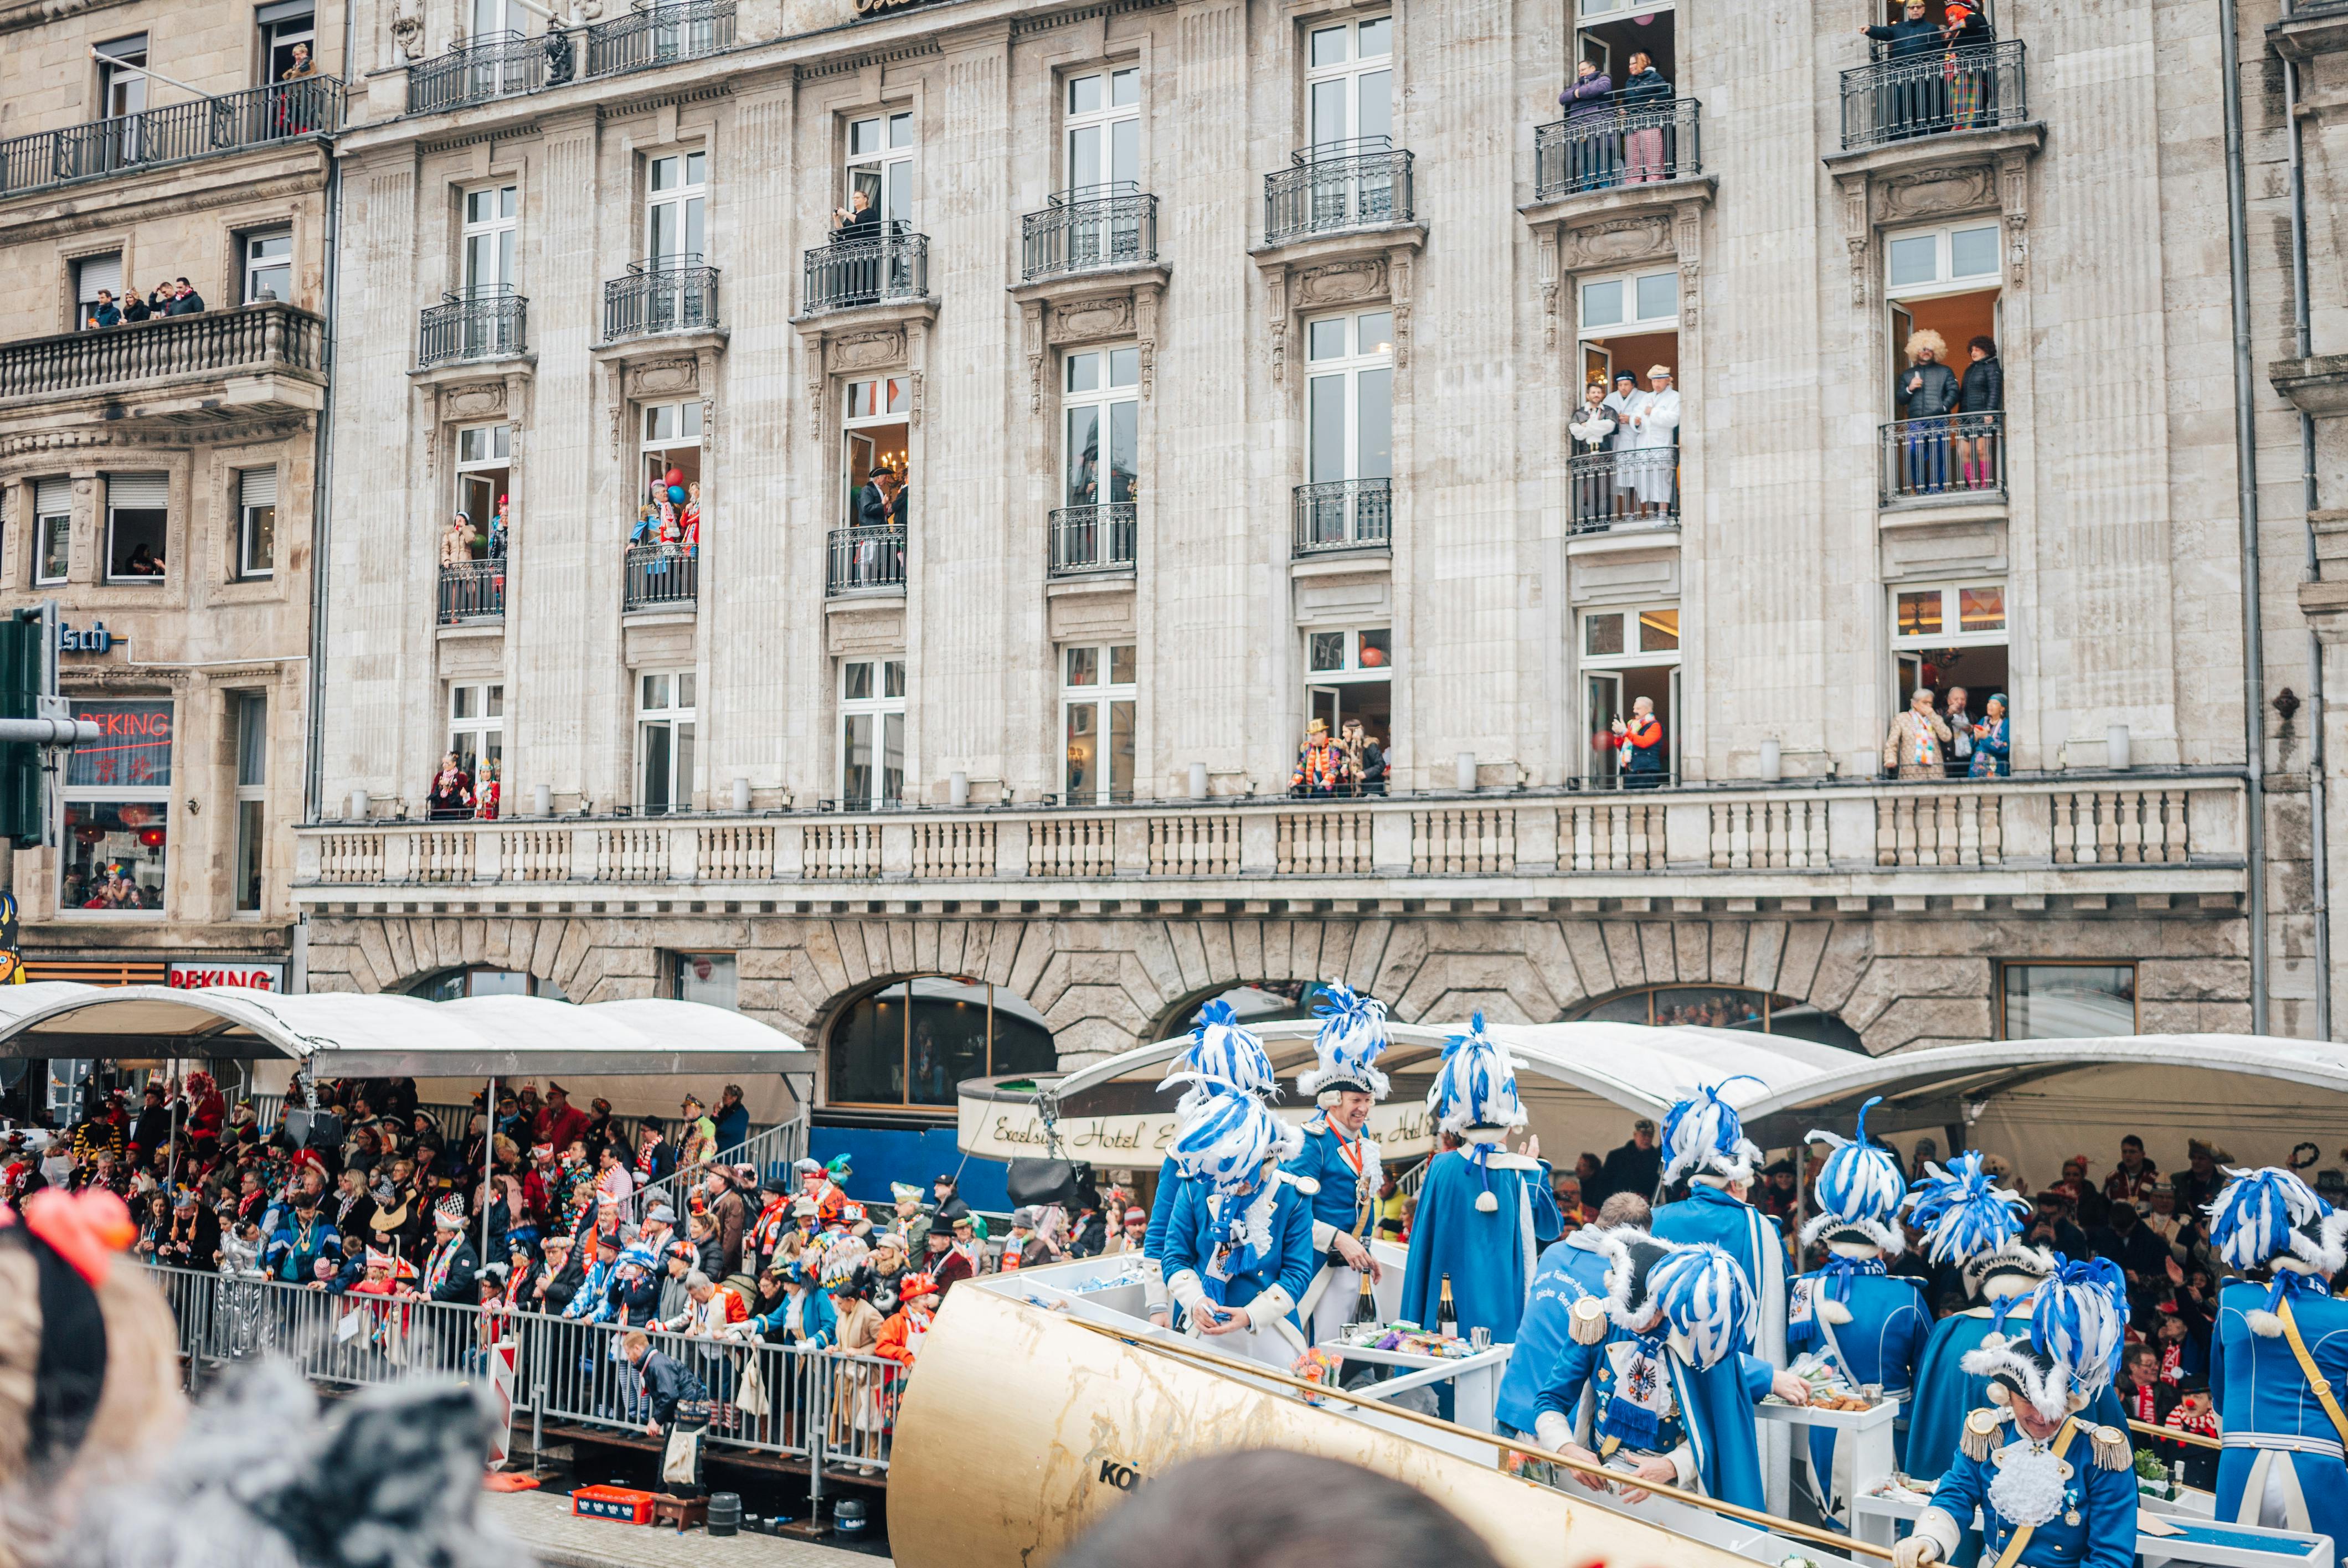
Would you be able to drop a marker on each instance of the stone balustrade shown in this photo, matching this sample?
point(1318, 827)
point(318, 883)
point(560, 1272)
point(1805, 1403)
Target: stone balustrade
point(2176, 834)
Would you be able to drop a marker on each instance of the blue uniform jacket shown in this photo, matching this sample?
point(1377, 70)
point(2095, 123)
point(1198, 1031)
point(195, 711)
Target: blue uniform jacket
point(1171, 1182)
point(1568, 1271)
point(1945, 1393)
point(1745, 1234)
point(1489, 1256)
point(1711, 1410)
point(1338, 1203)
point(2103, 1499)
point(288, 1254)
point(1886, 1329)
point(1289, 1263)
point(2254, 1379)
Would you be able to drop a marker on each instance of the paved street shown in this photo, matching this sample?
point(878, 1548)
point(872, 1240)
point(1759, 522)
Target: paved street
point(542, 1521)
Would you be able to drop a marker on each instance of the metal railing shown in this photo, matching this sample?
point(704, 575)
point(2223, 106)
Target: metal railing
point(865, 557)
point(846, 273)
point(665, 294)
point(1363, 183)
point(496, 65)
point(657, 34)
point(1632, 487)
point(1634, 144)
point(772, 1150)
point(1956, 457)
point(1344, 515)
point(1977, 88)
point(214, 343)
point(1092, 538)
point(455, 1122)
point(176, 133)
point(488, 326)
point(659, 575)
point(473, 592)
point(1111, 225)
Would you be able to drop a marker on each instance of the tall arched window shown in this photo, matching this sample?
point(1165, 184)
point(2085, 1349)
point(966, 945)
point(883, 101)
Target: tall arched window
point(913, 1041)
point(1722, 1006)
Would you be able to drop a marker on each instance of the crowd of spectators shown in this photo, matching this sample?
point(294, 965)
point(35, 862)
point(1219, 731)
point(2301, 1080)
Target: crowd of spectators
point(176, 298)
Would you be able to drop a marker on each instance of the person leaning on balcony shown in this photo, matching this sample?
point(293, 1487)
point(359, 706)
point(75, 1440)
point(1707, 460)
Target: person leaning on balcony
point(134, 304)
point(457, 544)
point(1654, 431)
point(1646, 100)
point(1593, 422)
point(1918, 741)
point(1911, 105)
point(105, 313)
point(303, 65)
point(185, 301)
point(1981, 404)
point(1642, 746)
point(1963, 32)
point(1589, 150)
point(1927, 394)
point(1992, 751)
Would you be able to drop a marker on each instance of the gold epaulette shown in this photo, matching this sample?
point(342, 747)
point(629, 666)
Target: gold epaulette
point(1980, 1436)
point(2112, 1449)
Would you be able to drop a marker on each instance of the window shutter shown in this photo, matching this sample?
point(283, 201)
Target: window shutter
point(258, 487)
point(145, 492)
point(52, 497)
point(97, 272)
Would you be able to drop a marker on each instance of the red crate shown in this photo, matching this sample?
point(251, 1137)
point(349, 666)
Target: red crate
point(625, 1504)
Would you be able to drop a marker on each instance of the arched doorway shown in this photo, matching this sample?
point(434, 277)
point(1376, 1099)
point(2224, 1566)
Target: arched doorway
point(1721, 1007)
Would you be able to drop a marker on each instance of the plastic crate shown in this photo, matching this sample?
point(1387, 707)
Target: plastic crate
point(625, 1504)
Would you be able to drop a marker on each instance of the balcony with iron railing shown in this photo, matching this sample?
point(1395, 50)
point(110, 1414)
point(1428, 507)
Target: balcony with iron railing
point(660, 577)
point(247, 340)
point(881, 265)
point(660, 34)
point(1632, 487)
point(494, 66)
point(1952, 459)
point(1093, 227)
point(1935, 92)
point(176, 133)
point(1093, 539)
point(474, 325)
point(1344, 515)
point(1338, 185)
point(1618, 145)
point(474, 592)
point(663, 294)
point(865, 559)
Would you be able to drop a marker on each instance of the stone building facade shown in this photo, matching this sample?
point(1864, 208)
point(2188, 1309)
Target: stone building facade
point(1232, 348)
point(157, 476)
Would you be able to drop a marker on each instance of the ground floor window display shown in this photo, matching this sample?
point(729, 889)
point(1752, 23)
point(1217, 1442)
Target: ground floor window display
point(116, 830)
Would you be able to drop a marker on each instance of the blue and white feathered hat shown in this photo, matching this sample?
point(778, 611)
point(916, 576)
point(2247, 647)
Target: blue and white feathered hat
point(2271, 1219)
point(2079, 1328)
point(1860, 1192)
point(1704, 1137)
point(1226, 1136)
point(1353, 1033)
point(1705, 1298)
point(1970, 1221)
point(1631, 1256)
point(1477, 1085)
point(1221, 1054)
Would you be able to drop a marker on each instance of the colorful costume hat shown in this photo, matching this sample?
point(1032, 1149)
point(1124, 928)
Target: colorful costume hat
point(2079, 1328)
point(1860, 1192)
point(1221, 1054)
point(2271, 1219)
point(1969, 1219)
point(1353, 1033)
point(1703, 1137)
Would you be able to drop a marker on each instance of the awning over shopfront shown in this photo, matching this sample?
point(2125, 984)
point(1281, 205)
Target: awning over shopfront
point(376, 1035)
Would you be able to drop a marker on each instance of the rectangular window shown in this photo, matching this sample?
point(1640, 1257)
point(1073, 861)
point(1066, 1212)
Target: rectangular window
point(477, 732)
point(676, 216)
point(52, 530)
point(98, 287)
point(136, 516)
point(288, 40)
point(250, 712)
point(1097, 695)
point(1349, 397)
point(664, 741)
point(1953, 639)
point(256, 538)
point(1630, 303)
point(672, 462)
point(871, 734)
point(875, 435)
point(484, 470)
point(117, 798)
point(1349, 683)
point(2066, 1001)
point(1103, 132)
point(1944, 259)
point(710, 977)
point(1101, 416)
point(1349, 86)
point(1626, 655)
point(492, 216)
point(880, 165)
point(268, 266)
point(122, 85)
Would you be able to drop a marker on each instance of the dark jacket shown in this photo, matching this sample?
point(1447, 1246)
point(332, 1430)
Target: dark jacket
point(563, 1286)
point(900, 509)
point(463, 1283)
point(864, 225)
point(1935, 392)
point(190, 304)
point(733, 1126)
point(1984, 387)
point(732, 1213)
point(1630, 1168)
point(1648, 89)
point(105, 315)
point(871, 505)
point(2140, 1251)
point(664, 1382)
point(152, 1130)
point(1908, 38)
point(1585, 98)
point(134, 308)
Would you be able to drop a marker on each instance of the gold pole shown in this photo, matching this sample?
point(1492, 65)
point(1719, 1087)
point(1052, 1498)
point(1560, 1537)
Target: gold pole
point(2168, 1434)
point(1804, 1533)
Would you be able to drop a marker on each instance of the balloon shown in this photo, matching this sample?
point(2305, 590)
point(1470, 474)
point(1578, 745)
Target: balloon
point(1372, 658)
point(676, 494)
point(673, 477)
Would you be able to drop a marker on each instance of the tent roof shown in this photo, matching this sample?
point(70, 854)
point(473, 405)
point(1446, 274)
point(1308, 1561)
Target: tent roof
point(349, 1035)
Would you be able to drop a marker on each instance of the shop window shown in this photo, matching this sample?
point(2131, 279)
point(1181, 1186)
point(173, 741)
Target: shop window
point(138, 517)
point(52, 530)
point(664, 726)
point(1096, 697)
point(487, 982)
point(288, 40)
point(2066, 1001)
point(484, 480)
point(910, 1042)
point(256, 529)
point(1722, 1007)
point(1627, 654)
point(872, 733)
point(1952, 638)
point(117, 797)
point(97, 283)
point(874, 443)
point(1349, 86)
point(880, 165)
point(711, 978)
point(250, 716)
point(268, 259)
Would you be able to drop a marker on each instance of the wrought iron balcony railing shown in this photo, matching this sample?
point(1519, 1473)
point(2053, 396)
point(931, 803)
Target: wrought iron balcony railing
point(485, 325)
point(176, 133)
point(1978, 87)
point(1344, 515)
point(1112, 225)
point(665, 294)
point(660, 577)
point(1092, 538)
point(1955, 458)
point(864, 270)
point(494, 66)
point(865, 558)
point(1630, 488)
point(657, 34)
point(216, 342)
point(1363, 183)
point(473, 592)
point(1618, 144)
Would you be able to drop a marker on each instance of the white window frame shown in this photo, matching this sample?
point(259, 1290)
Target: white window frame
point(1951, 591)
point(687, 438)
point(251, 263)
point(249, 709)
point(1632, 657)
point(43, 523)
point(889, 156)
point(246, 570)
point(879, 707)
point(499, 457)
point(499, 12)
point(674, 712)
point(1104, 695)
point(1943, 280)
point(481, 733)
point(1357, 67)
point(87, 270)
point(1348, 367)
point(120, 794)
point(1106, 396)
point(500, 228)
point(1114, 125)
point(1352, 669)
point(1632, 323)
point(689, 201)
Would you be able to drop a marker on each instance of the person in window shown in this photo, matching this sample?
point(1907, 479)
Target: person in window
point(134, 304)
point(1981, 404)
point(185, 301)
point(1918, 741)
point(860, 277)
point(1319, 763)
point(1927, 394)
point(457, 544)
point(1588, 146)
point(1642, 743)
point(1653, 433)
point(105, 313)
point(303, 65)
point(689, 520)
point(1909, 103)
point(1645, 101)
point(1592, 429)
point(1961, 729)
point(1966, 33)
point(1992, 751)
point(1366, 759)
point(143, 562)
point(451, 798)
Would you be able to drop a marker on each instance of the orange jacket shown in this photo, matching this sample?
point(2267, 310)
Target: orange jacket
point(899, 1334)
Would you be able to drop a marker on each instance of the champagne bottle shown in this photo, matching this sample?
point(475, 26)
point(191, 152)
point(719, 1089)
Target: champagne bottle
point(1365, 1304)
point(1446, 1316)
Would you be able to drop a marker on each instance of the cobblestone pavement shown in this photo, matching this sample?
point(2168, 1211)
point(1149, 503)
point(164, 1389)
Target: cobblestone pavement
point(542, 1522)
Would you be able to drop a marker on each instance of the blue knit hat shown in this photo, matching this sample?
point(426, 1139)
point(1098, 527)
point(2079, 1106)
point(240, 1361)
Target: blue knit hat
point(1221, 1054)
point(1860, 1192)
point(1703, 1137)
point(1352, 1035)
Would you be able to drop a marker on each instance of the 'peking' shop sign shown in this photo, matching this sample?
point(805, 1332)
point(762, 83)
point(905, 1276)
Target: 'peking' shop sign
point(228, 973)
point(1010, 1129)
